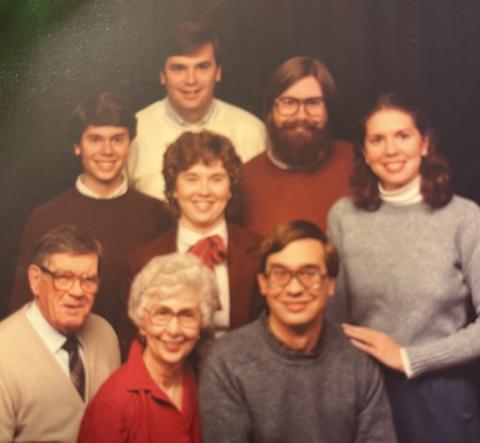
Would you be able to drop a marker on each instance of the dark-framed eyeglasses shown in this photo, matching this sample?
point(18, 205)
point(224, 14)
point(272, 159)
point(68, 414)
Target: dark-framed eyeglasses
point(309, 276)
point(289, 106)
point(163, 315)
point(64, 280)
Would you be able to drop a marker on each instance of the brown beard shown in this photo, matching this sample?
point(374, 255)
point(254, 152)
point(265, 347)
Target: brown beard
point(300, 150)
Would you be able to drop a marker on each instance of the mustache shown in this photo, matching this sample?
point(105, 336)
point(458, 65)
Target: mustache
point(294, 124)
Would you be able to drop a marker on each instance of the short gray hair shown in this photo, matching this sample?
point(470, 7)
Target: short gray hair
point(165, 275)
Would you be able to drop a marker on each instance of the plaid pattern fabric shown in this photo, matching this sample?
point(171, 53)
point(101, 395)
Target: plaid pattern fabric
point(211, 250)
point(77, 371)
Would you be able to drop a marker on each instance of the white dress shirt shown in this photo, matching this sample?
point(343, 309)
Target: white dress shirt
point(53, 339)
point(185, 240)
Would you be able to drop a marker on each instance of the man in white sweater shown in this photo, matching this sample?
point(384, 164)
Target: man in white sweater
point(190, 70)
point(55, 353)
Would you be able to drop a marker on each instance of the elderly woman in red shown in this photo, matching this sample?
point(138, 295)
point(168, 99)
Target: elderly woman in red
point(153, 397)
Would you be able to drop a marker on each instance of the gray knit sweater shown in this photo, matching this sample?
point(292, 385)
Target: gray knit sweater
point(254, 389)
point(413, 273)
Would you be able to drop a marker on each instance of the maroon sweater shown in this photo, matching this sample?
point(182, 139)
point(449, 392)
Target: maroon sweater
point(120, 224)
point(271, 195)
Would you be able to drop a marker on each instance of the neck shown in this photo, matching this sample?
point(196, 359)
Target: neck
point(102, 189)
point(200, 229)
point(301, 339)
point(192, 116)
point(165, 376)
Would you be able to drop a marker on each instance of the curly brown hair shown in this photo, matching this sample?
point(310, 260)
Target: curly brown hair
point(201, 147)
point(434, 169)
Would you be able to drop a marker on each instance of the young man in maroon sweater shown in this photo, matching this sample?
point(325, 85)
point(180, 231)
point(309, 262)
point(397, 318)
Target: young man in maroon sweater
point(100, 202)
point(303, 172)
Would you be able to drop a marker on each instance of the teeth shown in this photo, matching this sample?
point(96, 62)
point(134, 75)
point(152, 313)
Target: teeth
point(202, 206)
point(394, 166)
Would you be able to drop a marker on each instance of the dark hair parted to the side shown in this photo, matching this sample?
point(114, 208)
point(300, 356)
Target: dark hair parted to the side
point(65, 239)
point(204, 147)
point(104, 109)
point(293, 70)
point(434, 170)
point(288, 232)
point(188, 37)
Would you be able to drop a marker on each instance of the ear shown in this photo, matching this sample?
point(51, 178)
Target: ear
point(34, 279)
point(365, 155)
point(330, 287)
point(162, 78)
point(218, 74)
point(262, 283)
point(425, 145)
point(77, 150)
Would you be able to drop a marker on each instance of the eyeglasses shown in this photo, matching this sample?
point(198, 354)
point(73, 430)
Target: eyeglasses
point(63, 280)
point(162, 316)
point(309, 276)
point(288, 106)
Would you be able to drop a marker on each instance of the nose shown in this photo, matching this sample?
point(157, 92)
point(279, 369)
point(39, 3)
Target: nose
point(173, 326)
point(301, 112)
point(107, 148)
point(76, 288)
point(204, 187)
point(191, 76)
point(390, 146)
point(294, 287)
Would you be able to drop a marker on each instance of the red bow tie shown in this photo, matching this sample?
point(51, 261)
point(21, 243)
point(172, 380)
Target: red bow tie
point(211, 250)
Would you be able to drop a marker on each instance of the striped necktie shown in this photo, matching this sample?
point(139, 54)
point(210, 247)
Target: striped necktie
point(77, 372)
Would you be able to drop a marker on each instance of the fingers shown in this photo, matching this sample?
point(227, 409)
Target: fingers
point(365, 335)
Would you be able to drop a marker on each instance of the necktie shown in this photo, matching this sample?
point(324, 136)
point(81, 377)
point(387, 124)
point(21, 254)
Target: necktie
point(211, 250)
point(77, 372)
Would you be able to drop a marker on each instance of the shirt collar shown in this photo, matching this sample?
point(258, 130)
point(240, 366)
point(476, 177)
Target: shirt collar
point(83, 189)
point(187, 238)
point(173, 115)
point(52, 338)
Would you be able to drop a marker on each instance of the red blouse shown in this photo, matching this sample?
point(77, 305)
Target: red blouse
point(130, 407)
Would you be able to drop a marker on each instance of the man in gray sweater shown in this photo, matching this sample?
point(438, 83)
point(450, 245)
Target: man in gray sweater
point(292, 376)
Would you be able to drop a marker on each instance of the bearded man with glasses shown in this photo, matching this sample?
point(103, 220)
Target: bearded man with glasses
point(303, 171)
point(292, 376)
point(55, 352)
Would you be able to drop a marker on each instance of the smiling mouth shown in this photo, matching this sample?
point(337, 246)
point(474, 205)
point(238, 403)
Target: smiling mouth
point(296, 306)
point(202, 206)
point(173, 346)
point(394, 167)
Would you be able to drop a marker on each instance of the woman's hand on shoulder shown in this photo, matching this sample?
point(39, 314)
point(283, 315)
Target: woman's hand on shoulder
point(377, 344)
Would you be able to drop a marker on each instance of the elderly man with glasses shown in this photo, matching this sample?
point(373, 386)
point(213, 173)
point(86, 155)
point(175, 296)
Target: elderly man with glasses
point(292, 375)
point(303, 172)
point(55, 352)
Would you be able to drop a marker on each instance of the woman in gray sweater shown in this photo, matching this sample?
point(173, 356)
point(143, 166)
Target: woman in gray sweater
point(408, 292)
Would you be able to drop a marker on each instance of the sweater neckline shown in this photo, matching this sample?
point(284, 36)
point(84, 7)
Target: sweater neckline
point(283, 351)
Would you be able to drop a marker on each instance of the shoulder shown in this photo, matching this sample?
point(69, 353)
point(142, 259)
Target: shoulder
point(163, 244)
point(60, 201)
point(241, 115)
point(352, 360)
point(238, 347)
point(463, 205)
point(341, 207)
point(260, 161)
point(145, 201)
point(151, 109)
point(12, 327)
point(243, 237)
point(95, 327)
